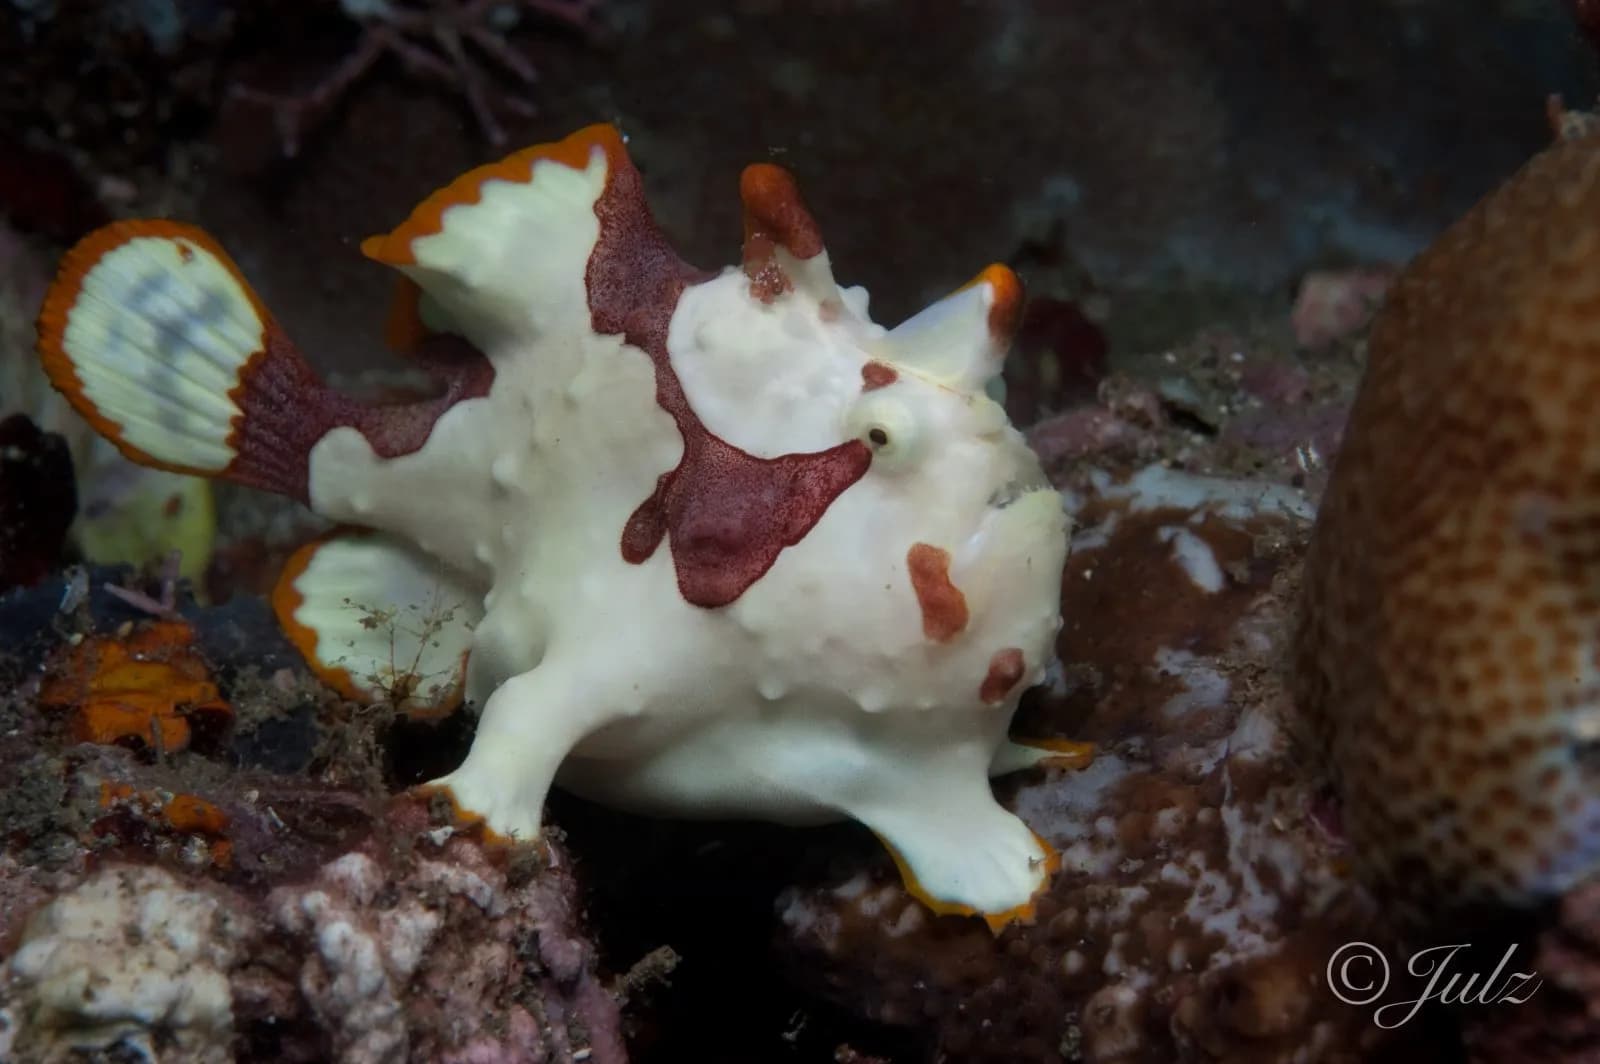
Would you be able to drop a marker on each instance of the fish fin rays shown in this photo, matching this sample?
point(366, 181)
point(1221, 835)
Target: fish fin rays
point(154, 336)
point(378, 620)
point(503, 251)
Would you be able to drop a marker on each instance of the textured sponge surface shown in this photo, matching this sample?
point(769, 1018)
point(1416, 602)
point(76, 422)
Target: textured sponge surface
point(1451, 626)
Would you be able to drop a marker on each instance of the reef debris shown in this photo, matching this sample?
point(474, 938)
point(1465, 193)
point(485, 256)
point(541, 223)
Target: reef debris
point(439, 953)
point(1333, 304)
point(257, 895)
point(147, 687)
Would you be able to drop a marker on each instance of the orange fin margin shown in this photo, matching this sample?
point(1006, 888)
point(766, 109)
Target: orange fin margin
point(395, 248)
point(286, 602)
point(1063, 753)
point(65, 292)
point(289, 599)
point(1005, 313)
point(404, 330)
point(997, 922)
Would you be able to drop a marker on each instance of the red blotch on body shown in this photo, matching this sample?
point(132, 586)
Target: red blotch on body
point(726, 514)
point(875, 375)
point(944, 607)
point(1005, 672)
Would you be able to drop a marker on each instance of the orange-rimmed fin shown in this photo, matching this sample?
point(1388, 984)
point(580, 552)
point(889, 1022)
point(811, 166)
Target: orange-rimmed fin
point(398, 247)
point(459, 817)
point(154, 336)
point(961, 341)
point(1059, 753)
point(146, 329)
point(286, 603)
point(1024, 913)
point(378, 621)
point(1017, 755)
point(1006, 297)
point(500, 257)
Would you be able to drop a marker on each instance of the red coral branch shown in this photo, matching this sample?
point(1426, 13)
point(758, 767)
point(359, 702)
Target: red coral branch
point(1587, 15)
point(431, 41)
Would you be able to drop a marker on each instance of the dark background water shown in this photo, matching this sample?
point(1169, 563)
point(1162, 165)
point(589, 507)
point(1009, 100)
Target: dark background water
point(1161, 151)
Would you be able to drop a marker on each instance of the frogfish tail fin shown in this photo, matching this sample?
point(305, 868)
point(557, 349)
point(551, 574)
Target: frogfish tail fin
point(154, 336)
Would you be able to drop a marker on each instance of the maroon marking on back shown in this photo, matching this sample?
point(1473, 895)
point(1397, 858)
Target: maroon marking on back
point(403, 428)
point(286, 409)
point(726, 514)
point(875, 375)
point(1005, 672)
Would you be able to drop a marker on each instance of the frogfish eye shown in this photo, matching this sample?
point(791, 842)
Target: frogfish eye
point(889, 427)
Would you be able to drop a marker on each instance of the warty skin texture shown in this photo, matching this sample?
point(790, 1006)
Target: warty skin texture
point(708, 544)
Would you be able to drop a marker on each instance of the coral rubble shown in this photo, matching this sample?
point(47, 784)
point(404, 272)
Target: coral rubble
point(157, 900)
point(437, 955)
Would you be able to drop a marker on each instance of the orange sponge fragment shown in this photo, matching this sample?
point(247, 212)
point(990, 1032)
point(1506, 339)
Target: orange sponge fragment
point(147, 689)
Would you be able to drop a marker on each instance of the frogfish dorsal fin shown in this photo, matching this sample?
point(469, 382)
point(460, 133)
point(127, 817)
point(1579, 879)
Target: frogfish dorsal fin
point(502, 253)
point(962, 340)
